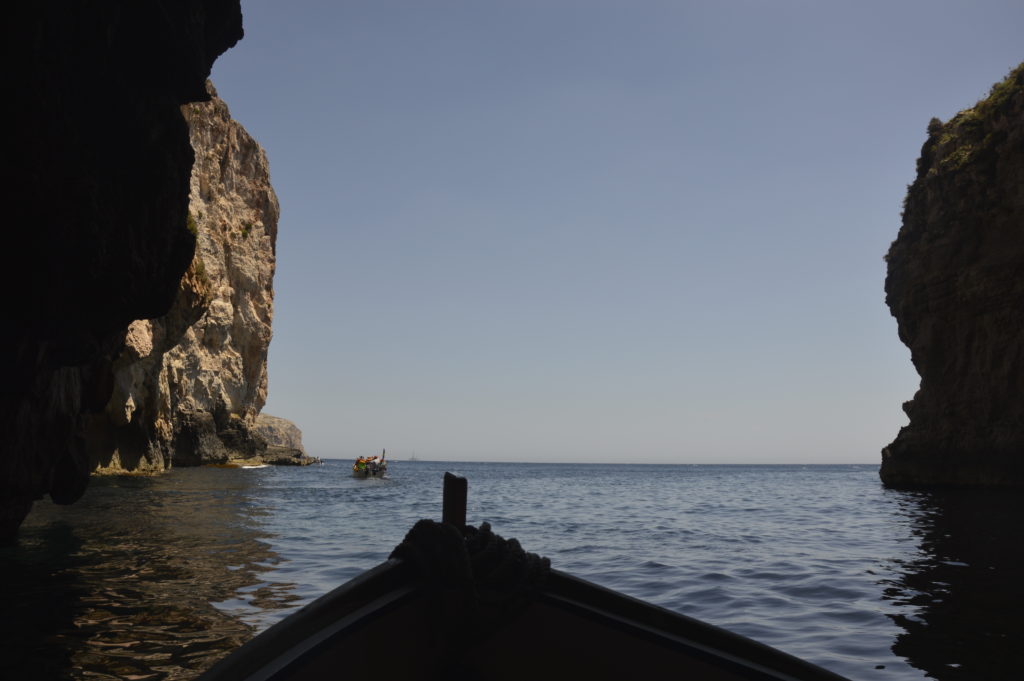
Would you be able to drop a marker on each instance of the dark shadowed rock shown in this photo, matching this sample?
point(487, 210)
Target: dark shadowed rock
point(96, 170)
point(286, 456)
point(956, 287)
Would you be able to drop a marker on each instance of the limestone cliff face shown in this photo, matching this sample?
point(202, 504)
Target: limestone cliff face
point(279, 432)
point(189, 385)
point(284, 441)
point(955, 284)
point(95, 170)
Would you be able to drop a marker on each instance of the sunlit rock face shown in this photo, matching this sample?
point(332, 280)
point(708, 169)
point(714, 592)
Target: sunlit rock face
point(96, 171)
point(284, 441)
point(279, 432)
point(189, 385)
point(956, 287)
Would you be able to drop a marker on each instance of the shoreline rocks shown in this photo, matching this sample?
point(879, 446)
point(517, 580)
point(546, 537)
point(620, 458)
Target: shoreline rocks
point(279, 432)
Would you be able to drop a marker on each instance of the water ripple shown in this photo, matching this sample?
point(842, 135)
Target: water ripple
point(156, 578)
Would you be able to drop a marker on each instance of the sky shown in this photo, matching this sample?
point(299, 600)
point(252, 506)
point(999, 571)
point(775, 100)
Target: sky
point(645, 231)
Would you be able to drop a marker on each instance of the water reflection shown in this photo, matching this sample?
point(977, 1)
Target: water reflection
point(966, 586)
point(123, 584)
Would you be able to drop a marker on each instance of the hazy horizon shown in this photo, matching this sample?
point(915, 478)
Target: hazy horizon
point(603, 231)
point(405, 458)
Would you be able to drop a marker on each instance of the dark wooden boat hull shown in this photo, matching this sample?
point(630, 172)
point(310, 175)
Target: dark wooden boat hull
point(378, 471)
point(386, 624)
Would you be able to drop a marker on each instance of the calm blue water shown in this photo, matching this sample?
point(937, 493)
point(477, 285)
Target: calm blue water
point(156, 578)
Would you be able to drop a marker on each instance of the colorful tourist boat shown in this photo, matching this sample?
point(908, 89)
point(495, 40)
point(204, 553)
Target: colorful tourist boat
point(370, 466)
point(457, 602)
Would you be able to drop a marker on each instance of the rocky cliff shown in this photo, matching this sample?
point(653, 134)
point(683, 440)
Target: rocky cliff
point(955, 284)
point(284, 441)
point(96, 170)
point(189, 385)
point(279, 432)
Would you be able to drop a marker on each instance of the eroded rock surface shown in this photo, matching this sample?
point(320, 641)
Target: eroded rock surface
point(956, 287)
point(189, 386)
point(96, 170)
point(278, 431)
point(284, 441)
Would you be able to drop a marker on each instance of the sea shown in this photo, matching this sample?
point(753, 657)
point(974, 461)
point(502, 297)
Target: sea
point(151, 578)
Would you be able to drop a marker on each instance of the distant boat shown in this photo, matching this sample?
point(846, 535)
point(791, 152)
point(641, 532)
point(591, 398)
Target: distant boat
point(462, 603)
point(370, 466)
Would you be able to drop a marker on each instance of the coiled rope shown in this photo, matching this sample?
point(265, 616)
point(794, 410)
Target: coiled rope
point(495, 573)
point(475, 580)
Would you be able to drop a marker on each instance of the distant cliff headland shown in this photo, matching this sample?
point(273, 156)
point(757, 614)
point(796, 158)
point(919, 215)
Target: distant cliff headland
point(955, 285)
point(98, 174)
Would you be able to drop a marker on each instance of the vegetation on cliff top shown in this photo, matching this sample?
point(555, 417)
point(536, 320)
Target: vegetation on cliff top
point(978, 128)
point(971, 139)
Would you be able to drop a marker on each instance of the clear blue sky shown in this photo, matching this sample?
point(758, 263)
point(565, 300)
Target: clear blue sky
point(598, 230)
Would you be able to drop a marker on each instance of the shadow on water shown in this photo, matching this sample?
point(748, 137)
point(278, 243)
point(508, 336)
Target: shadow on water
point(122, 584)
point(966, 587)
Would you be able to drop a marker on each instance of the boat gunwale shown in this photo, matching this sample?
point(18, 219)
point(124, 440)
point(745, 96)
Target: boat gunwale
point(287, 638)
point(393, 582)
point(678, 630)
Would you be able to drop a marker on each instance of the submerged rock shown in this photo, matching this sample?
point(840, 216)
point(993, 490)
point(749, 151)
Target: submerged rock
point(956, 289)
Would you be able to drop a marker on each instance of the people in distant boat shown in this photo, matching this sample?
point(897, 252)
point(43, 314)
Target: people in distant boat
point(366, 463)
point(369, 465)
